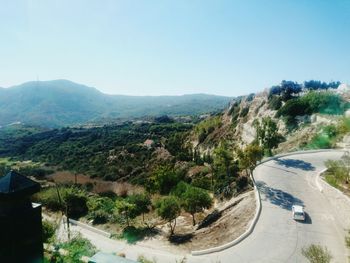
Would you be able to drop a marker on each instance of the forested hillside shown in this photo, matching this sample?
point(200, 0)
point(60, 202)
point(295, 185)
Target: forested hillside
point(64, 103)
point(112, 152)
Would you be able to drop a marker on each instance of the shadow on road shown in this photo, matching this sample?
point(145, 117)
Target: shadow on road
point(307, 221)
point(294, 163)
point(277, 197)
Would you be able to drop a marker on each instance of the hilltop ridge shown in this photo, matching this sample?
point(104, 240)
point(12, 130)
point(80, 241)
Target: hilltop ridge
point(60, 103)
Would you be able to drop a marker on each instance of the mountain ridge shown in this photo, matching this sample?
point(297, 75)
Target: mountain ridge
point(62, 102)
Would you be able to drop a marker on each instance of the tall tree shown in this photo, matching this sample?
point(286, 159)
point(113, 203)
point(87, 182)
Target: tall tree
point(267, 134)
point(249, 157)
point(223, 157)
point(169, 209)
point(126, 209)
point(142, 203)
point(195, 200)
point(163, 179)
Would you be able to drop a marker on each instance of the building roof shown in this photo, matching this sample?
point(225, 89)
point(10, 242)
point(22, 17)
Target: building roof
point(101, 257)
point(15, 184)
point(148, 142)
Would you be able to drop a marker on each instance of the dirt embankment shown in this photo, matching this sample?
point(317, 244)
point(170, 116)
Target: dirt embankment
point(236, 216)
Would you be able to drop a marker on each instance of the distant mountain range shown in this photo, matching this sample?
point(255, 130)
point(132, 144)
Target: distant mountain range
point(59, 103)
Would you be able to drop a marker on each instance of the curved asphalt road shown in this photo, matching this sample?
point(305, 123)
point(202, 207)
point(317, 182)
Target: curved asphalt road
point(277, 237)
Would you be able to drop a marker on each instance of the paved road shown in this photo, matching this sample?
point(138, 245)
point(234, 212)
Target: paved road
point(276, 237)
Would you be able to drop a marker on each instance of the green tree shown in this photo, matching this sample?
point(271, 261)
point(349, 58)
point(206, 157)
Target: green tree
point(195, 200)
point(163, 179)
point(75, 202)
point(223, 158)
point(178, 146)
point(249, 157)
point(100, 209)
point(142, 203)
point(169, 209)
point(267, 134)
point(126, 209)
point(317, 254)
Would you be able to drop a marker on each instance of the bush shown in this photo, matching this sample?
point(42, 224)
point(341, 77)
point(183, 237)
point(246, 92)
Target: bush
point(241, 183)
point(327, 137)
point(180, 189)
point(316, 254)
point(313, 102)
point(143, 259)
point(77, 248)
point(64, 198)
point(275, 102)
point(244, 112)
point(49, 230)
point(76, 204)
point(203, 182)
point(49, 198)
point(164, 179)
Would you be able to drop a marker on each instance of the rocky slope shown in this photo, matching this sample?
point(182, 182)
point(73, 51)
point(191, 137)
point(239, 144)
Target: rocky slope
point(235, 125)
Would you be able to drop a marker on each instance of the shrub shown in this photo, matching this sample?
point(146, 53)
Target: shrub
point(100, 209)
point(317, 254)
point(164, 179)
point(180, 189)
point(347, 240)
point(241, 183)
point(313, 102)
point(49, 230)
point(203, 182)
point(143, 259)
point(142, 203)
point(275, 102)
point(77, 248)
point(70, 199)
point(75, 202)
point(244, 112)
point(49, 198)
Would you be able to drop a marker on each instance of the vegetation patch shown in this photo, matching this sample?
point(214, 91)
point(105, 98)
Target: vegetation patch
point(329, 135)
point(317, 254)
point(313, 102)
point(77, 248)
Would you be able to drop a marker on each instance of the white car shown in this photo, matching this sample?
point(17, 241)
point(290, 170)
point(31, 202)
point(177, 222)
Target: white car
point(298, 212)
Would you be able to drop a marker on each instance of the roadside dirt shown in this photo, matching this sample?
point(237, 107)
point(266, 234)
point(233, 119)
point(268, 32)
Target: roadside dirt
point(234, 221)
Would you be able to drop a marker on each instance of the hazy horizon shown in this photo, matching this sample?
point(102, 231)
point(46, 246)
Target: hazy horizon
point(116, 94)
point(226, 48)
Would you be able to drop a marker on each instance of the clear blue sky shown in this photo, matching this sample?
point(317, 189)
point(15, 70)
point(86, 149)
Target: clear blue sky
point(174, 47)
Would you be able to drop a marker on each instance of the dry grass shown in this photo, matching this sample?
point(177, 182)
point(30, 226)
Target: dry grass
point(99, 185)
